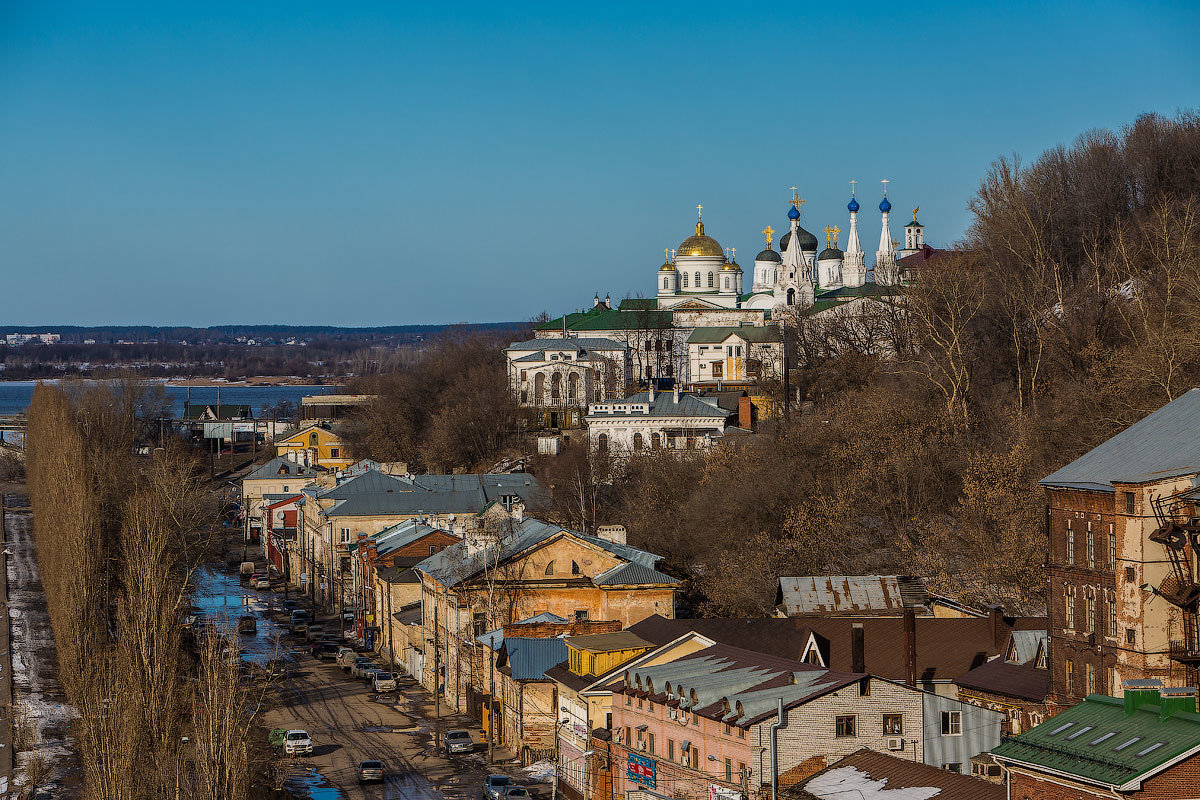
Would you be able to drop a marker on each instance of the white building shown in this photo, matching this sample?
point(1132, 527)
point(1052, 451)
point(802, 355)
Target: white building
point(560, 376)
point(657, 420)
point(735, 355)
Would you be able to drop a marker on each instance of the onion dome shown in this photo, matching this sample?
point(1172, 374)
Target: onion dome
point(699, 245)
point(852, 206)
point(731, 266)
point(793, 212)
point(808, 242)
point(769, 255)
point(831, 253)
point(667, 267)
point(885, 206)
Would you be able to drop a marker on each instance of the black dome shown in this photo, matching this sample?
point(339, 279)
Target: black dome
point(807, 240)
point(831, 252)
point(768, 255)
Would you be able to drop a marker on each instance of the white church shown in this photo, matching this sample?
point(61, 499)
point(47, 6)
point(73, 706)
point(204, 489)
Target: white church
point(700, 274)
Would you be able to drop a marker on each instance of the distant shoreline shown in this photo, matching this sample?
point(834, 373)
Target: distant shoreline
point(206, 383)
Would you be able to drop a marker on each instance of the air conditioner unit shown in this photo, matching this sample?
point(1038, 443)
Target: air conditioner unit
point(895, 743)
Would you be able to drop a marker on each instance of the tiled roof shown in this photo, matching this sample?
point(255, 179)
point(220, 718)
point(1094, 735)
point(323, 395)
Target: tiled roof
point(1162, 445)
point(1099, 742)
point(272, 467)
point(528, 659)
point(870, 775)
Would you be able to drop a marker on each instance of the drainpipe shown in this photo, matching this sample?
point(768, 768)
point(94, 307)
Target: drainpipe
point(775, 726)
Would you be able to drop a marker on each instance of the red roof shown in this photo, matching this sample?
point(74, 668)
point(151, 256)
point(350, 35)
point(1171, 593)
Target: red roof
point(284, 502)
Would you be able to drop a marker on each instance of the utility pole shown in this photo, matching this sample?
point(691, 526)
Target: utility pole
point(787, 377)
point(492, 698)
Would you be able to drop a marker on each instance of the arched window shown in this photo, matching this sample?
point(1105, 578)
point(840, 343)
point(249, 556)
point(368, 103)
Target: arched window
point(602, 443)
point(539, 388)
point(550, 568)
point(573, 387)
point(685, 283)
point(791, 297)
point(726, 281)
point(312, 439)
point(637, 442)
point(555, 386)
point(710, 280)
point(655, 441)
point(697, 280)
point(574, 568)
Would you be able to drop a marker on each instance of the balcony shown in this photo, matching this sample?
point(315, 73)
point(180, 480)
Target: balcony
point(1181, 650)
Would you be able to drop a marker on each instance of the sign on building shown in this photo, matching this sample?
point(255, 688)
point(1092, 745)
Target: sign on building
point(640, 769)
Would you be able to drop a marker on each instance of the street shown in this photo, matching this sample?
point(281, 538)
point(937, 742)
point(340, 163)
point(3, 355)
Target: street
point(346, 720)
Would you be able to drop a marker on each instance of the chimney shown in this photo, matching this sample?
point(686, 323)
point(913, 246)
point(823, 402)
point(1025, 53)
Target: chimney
point(612, 533)
point(1182, 698)
point(1140, 693)
point(910, 646)
point(652, 391)
point(745, 413)
point(858, 654)
point(676, 394)
point(996, 618)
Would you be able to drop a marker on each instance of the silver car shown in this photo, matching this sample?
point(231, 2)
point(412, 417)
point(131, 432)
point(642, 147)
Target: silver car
point(384, 681)
point(459, 742)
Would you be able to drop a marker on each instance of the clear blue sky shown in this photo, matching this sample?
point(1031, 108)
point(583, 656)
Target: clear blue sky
point(405, 163)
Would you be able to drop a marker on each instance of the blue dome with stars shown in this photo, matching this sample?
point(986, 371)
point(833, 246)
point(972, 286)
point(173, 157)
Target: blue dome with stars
point(885, 206)
point(852, 205)
point(793, 213)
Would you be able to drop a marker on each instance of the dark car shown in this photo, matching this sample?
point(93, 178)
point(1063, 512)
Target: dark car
point(370, 772)
point(325, 650)
point(516, 792)
point(494, 786)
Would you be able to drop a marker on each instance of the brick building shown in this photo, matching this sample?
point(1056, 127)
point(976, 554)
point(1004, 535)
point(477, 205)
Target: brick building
point(1144, 745)
point(1015, 684)
point(1122, 589)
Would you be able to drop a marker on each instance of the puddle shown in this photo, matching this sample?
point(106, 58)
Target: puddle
point(309, 783)
point(223, 598)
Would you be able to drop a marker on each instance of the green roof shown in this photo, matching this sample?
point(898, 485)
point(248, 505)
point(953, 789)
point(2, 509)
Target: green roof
point(866, 290)
point(1098, 742)
point(749, 333)
point(611, 320)
point(638, 304)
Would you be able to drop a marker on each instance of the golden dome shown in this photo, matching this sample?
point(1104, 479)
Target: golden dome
point(667, 267)
point(700, 245)
point(730, 265)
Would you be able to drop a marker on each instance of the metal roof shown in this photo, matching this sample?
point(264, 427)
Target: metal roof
point(496, 637)
point(528, 659)
point(570, 343)
point(375, 494)
point(271, 470)
point(1099, 742)
point(1163, 445)
point(747, 333)
point(631, 574)
point(870, 775)
point(664, 405)
point(841, 594)
point(603, 642)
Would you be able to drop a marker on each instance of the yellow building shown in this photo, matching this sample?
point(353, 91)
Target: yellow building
point(320, 447)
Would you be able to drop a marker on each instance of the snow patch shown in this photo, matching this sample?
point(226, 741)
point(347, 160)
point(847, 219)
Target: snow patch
point(843, 781)
point(540, 771)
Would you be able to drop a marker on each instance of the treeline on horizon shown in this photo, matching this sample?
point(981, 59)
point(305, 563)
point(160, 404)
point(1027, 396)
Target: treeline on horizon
point(1070, 310)
point(161, 333)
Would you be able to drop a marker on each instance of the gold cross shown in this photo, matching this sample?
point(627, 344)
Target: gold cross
point(699, 212)
point(768, 232)
point(852, 187)
point(667, 253)
point(836, 231)
point(796, 200)
point(828, 234)
point(733, 254)
point(885, 182)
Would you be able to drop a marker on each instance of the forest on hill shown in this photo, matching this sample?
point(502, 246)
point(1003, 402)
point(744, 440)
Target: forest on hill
point(1070, 310)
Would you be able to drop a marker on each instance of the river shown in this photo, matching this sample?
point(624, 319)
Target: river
point(15, 395)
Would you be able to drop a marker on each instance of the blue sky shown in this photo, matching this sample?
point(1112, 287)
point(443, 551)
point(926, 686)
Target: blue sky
point(396, 163)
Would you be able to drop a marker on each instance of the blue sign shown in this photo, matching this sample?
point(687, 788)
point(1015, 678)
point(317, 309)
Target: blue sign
point(640, 769)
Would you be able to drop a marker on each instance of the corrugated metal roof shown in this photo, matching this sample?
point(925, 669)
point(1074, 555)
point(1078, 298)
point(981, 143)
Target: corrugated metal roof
point(840, 594)
point(631, 574)
point(1164, 444)
point(272, 467)
point(1098, 742)
point(496, 637)
point(617, 640)
point(664, 405)
point(570, 343)
point(748, 333)
point(873, 775)
point(528, 659)
point(375, 494)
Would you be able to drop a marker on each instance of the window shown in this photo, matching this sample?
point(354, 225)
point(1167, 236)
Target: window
point(1128, 502)
point(1112, 549)
point(1112, 680)
point(893, 724)
point(664, 283)
point(650, 743)
point(637, 442)
point(844, 726)
point(1070, 607)
point(741, 733)
point(728, 730)
point(345, 535)
point(696, 720)
point(574, 568)
point(1130, 575)
point(581, 615)
point(1089, 672)
point(1130, 636)
point(1070, 544)
point(479, 623)
point(710, 280)
point(953, 766)
point(1091, 547)
point(335, 452)
point(655, 441)
point(628, 700)
point(864, 687)
point(1111, 611)
point(1091, 615)
point(728, 770)
point(951, 723)
point(670, 749)
point(550, 568)
point(312, 440)
point(285, 488)
point(685, 279)
point(697, 280)
point(432, 549)
point(628, 737)
point(602, 443)
point(1070, 676)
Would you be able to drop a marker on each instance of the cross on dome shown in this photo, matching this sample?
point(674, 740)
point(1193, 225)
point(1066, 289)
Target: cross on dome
point(852, 187)
point(699, 213)
point(885, 182)
point(768, 232)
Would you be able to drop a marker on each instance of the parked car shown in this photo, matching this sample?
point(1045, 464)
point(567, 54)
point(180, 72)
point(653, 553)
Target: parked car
point(459, 742)
point(370, 772)
point(314, 632)
point(325, 650)
point(247, 624)
point(297, 743)
point(359, 666)
point(384, 681)
point(300, 621)
point(288, 606)
point(369, 674)
point(345, 657)
point(512, 792)
point(494, 786)
point(261, 582)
